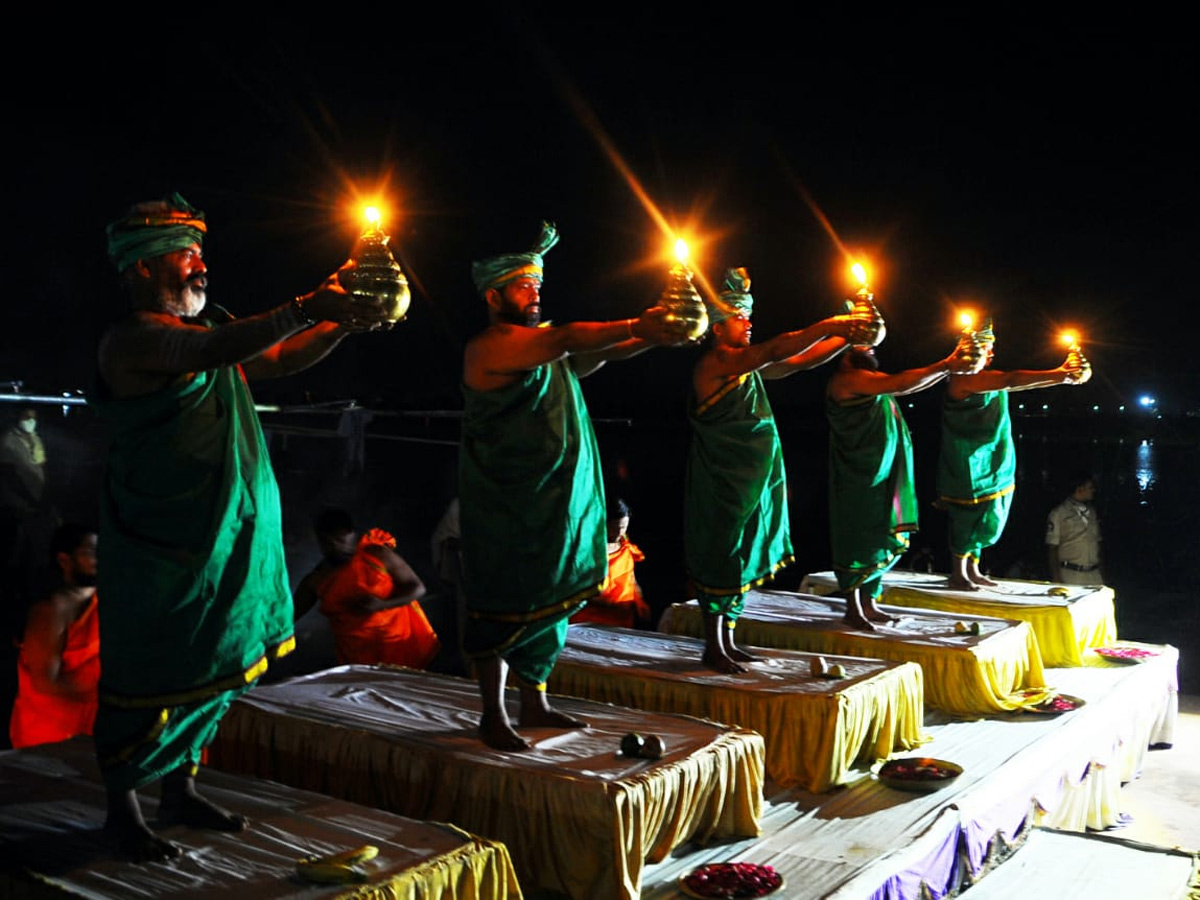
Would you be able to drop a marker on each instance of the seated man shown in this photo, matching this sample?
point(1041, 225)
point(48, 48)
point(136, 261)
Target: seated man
point(369, 593)
point(620, 599)
point(59, 664)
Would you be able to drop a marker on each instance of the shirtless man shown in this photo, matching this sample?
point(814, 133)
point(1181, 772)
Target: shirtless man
point(530, 485)
point(977, 466)
point(872, 500)
point(736, 528)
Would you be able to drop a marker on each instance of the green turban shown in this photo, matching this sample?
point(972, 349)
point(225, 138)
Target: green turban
point(735, 299)
point(497, 271)
point(153, 228)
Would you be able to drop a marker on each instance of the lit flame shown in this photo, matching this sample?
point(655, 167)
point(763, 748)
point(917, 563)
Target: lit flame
point(374, 217)
point(681, 251)
point(860, 272)
point(966, 319)
point(1071, 339)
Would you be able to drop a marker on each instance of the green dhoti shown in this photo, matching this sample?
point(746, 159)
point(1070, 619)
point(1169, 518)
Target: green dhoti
point(735, 532)
point(532, 514)
point(197, 600)
point(872, 502)
point(977, 469)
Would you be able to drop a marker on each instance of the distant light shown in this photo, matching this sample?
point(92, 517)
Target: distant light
point(1020, 406)
point(1045, 406)
point(1096, 408)
point(1146, 400)
point(1121, 408)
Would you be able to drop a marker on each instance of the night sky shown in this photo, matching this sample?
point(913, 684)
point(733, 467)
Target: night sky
point(1036, 166)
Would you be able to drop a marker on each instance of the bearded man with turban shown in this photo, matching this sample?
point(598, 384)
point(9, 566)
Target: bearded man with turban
point(977, 466)
point(530, 487)
point(197, 596)
point(736, 530)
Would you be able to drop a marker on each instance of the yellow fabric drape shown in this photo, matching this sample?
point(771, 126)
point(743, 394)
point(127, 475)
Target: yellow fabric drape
point(816, 730)
point(54, 798)
point(575, 816)
point(964, 674)
point(1065, 627)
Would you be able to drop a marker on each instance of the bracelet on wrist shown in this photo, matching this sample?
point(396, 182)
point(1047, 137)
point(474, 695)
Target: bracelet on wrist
point(298, 307)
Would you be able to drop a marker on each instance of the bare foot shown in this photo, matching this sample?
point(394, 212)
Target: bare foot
point(875, 614)
point(958, 583)
point(740, 655)
point(549, 717)
point(139, 844)
point(190, 809)
point(132, 840)
point(498, 734)
point(980, 578)
point(855, 619)
point(721, 663)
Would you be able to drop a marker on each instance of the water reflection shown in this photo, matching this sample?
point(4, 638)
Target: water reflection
point(1145, 470)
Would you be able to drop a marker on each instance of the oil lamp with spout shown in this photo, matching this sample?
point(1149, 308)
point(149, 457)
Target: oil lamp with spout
point(376, 274)
point(680, 297)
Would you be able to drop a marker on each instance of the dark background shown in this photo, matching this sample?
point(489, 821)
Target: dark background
point(1038, 166)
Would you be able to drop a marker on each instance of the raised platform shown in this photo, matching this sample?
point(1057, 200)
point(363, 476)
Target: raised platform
point(576, 817)
point(52, 808)
point(1066, 626)
point(867, 840)
point(816, 729)
point(967, 674)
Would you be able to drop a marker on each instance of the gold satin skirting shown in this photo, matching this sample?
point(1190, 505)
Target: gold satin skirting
point(54, 801)
point(576, 816)
point(816, 729)
point(967, 675)
point(1066, 627)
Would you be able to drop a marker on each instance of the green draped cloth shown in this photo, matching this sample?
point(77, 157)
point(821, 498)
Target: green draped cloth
point(977, 470)
point(532, 516)
point(735, 531)
point(193, 574)
point(872, 502)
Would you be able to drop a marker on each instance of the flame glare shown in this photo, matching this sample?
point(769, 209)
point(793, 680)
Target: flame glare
point(681, 250)
point(860, 272)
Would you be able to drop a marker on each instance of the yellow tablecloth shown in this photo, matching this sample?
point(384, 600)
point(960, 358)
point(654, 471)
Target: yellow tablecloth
point(576, 817)
point(1066, 627)
point(816, 729)
point(52, 807)
point(965, 675)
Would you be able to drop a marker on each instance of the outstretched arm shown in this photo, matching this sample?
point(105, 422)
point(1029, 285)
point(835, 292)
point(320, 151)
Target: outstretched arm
point(1017, 380)
point(150, 348)
point(847, 385)
point(816, 355)
point(296, 353)
point(503, 352)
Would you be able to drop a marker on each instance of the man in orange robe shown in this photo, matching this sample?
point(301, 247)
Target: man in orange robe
point(369, 594)
point(620, 599)
point(59, 664)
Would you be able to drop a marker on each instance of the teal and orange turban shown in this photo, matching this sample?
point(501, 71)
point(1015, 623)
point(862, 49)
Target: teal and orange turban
point(735, 299)
point(153, 228)
point(497, 271)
